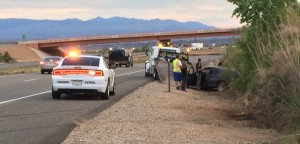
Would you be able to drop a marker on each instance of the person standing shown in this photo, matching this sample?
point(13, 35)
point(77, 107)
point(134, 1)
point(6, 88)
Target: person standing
point(183, 74)
point(177, 72)
point(199, 73)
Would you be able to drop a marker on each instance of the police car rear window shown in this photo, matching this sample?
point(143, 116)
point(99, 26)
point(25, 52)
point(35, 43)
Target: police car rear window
point(81, 61)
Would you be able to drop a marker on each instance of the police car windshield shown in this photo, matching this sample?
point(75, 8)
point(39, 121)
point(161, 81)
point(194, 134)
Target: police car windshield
point(81, 61)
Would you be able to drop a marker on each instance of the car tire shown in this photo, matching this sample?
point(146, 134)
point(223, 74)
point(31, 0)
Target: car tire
point(146, 74)
point(55, 95)
point(155, 75)
point(105, 96)
point(221, 86)
point(131, 65)
point(42, 72)
point(49, 72)
point(127, 65)
point(113, 92)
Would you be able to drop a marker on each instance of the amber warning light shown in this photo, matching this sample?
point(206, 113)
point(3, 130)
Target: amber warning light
point(72, 53)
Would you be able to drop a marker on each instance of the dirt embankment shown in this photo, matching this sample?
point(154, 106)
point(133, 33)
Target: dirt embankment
point(20, 53)
point(152, 115)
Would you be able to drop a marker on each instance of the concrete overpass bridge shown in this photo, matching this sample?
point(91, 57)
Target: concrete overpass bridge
point(51, 46)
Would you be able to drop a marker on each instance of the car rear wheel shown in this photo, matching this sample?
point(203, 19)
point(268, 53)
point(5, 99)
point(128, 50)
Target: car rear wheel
point(113, 92)
point(105, 95)
point(221, 86)
point(55, 95)
point(146, 74)
point(155, 75)
point(42, 72)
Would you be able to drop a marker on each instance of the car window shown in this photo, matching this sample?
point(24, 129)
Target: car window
point(81, 61)
point(214, 71)
point(206, 71)
point(53, 59)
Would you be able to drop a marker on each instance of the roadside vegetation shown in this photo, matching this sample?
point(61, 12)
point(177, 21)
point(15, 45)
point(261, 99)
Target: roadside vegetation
point(21, 70)
point(268, 57)
point(6, 58)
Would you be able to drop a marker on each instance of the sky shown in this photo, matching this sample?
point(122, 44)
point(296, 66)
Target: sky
point(211, 12)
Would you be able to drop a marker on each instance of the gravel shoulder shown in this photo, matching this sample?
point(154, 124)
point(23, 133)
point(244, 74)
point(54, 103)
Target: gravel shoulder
point(152, 115)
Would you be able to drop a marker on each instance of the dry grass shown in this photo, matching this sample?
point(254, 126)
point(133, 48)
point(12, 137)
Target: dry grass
point(214, 51)
point(21, 70)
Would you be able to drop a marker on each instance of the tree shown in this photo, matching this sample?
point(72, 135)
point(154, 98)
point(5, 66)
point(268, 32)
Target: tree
point(262, 17)
point(253, 12)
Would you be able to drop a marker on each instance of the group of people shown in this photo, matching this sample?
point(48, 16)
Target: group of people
point(180, 72)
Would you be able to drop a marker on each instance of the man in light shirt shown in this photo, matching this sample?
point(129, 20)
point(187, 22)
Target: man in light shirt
point(177, 72)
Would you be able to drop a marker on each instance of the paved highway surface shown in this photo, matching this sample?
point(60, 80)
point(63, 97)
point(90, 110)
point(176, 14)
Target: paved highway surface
point(29, 115)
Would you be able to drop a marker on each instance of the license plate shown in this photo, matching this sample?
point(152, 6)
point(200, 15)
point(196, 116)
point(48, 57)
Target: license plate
point(50, 64)
point(77, 82)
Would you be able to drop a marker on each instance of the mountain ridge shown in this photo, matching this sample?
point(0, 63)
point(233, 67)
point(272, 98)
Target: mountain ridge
point(13, 29)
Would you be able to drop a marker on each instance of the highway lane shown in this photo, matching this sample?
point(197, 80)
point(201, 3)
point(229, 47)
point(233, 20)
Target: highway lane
point(40, 119)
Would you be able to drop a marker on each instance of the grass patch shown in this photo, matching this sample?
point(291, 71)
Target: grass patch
point(140, 59)
point(20, 70)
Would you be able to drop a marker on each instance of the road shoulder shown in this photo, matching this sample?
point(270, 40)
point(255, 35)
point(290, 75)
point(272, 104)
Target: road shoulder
point(148, 116)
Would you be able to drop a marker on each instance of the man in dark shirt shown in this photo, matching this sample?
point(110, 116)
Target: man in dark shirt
point(183, 74)
point(199, 73)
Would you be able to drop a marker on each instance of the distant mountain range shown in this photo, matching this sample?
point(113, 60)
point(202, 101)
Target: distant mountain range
point(15, 29)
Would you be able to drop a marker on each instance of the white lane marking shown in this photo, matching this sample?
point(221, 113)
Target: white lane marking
point(30, 80)
point(33, 95)
point(129, 73)
point(12, 100)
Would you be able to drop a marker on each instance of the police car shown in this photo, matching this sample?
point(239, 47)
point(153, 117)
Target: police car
point(83, 74)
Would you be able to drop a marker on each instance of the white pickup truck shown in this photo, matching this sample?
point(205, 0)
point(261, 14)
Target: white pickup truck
point(158, 53)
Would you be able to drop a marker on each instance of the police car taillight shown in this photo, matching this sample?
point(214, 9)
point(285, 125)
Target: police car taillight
point(77, 71)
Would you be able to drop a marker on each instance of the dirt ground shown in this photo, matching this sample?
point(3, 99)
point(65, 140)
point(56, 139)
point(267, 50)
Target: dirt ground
point(19, 52)
point(153, 115)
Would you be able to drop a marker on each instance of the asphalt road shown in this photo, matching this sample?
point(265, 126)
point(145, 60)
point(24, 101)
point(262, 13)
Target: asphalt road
point(29, 115)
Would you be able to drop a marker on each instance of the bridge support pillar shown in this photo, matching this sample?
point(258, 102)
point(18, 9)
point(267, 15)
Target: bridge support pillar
point(165, 43)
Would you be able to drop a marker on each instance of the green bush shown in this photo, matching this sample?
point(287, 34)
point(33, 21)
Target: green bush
point(268, 57)
point(6, 58)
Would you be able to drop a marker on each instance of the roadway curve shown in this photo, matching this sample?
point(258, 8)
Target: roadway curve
point(28, 114)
